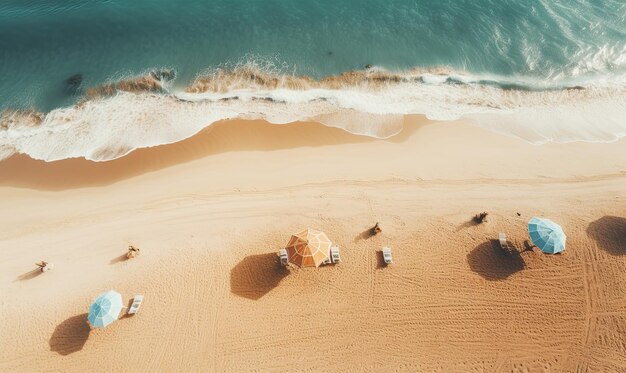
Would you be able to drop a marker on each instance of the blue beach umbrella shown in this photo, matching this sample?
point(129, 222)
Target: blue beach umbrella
point(105, 309)
point(547, 235)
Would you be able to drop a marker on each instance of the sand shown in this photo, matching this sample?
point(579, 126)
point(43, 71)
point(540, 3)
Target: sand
point(209, 214)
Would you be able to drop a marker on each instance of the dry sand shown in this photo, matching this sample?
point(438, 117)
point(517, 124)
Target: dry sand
point(210, 213)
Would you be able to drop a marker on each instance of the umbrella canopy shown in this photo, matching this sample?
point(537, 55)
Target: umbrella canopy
point(309, 248)
point(547, 235)
point(105, 309)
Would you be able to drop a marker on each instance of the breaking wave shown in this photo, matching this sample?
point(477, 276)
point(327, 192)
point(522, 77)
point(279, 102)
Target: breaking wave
point(113, 120)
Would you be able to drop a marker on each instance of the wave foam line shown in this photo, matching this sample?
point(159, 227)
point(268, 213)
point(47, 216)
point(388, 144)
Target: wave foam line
point(127, 116)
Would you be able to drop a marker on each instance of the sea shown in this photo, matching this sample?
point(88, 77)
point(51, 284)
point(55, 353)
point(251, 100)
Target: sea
point(100, 78)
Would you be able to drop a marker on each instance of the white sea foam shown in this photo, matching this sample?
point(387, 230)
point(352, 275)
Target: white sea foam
point(106, 128)
point(591, 121)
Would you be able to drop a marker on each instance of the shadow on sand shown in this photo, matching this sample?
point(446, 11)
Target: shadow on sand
point(609, 232)
point(119, 259)
point(380, 260)
point(365, 235)
point(492, 263)
point(124, 314)
point(29, 275)
point(468, 224)
point(256, 275)
point(368, 233)
point(70, 335)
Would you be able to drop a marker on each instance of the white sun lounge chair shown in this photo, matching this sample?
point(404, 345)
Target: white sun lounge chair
point(335, 257)
point(503, 241)
point(387, 255)
point(284, 257)
point(134, 308)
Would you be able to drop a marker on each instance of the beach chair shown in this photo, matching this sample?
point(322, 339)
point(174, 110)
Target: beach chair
point(134, 308)
point(335, 257)
point(504, 244)
point(387, 255)
point(284, 257)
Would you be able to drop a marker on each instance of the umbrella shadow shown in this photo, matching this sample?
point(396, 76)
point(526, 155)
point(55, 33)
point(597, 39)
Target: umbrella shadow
point(70, 336)
point(29, 275)
point(609, 232)
point(256, 275)
point(492, 263)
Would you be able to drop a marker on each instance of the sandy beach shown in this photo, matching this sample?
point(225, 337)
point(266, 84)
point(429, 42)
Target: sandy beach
point(209, 214)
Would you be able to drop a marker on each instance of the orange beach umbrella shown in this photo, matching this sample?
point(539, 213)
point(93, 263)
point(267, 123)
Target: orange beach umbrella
point(308, 248)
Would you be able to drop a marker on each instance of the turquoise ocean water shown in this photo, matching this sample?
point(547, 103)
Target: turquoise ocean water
point(485, 54)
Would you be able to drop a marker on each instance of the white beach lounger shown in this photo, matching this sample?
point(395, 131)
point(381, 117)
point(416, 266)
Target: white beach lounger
point(284, 257)
point(134, 308)
point(503, 242)
point(387, 255)
point(334, 254)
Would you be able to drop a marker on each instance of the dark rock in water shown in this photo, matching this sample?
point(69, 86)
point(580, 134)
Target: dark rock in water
point(163, 75)
point(72, 84)
point(369, 66)
point(75, 79)
point(330, 53)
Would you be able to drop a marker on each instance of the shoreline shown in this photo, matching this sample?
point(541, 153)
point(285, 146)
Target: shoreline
point(444, 144)
point(210, 212)
point(131, 116)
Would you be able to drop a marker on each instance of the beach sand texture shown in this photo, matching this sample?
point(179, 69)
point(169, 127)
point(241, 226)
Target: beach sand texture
point(210, 213)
